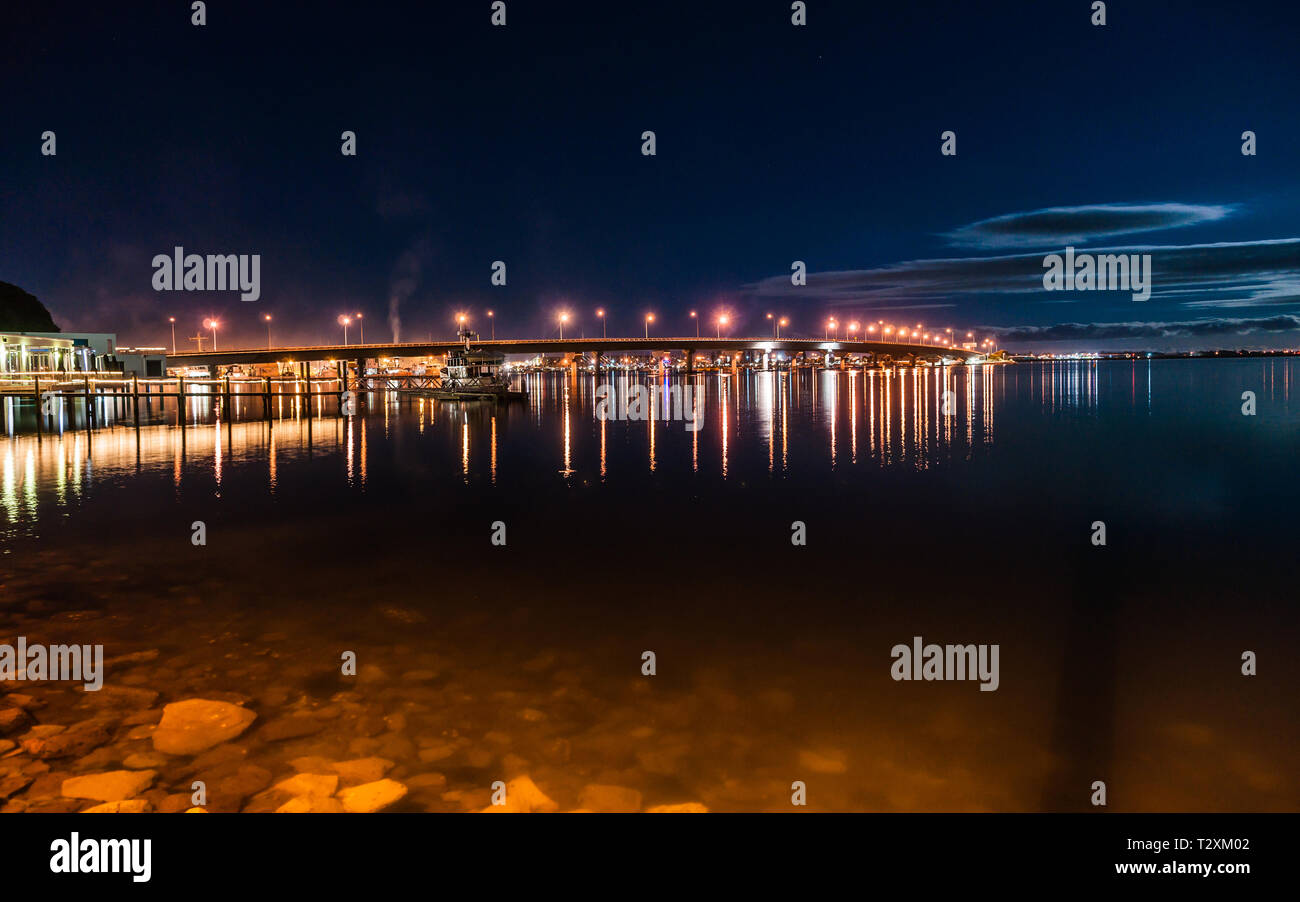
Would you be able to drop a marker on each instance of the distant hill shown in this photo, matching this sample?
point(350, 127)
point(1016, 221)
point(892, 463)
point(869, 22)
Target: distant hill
point(21, 312)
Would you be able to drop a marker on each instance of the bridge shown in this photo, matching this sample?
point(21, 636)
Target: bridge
point(571, 346)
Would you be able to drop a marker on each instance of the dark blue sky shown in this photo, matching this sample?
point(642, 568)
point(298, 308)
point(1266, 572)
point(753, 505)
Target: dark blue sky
point(775, 143)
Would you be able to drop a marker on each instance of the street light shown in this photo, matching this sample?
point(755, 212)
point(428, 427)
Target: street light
point(722, 321)
point(649, 318)
point(212, 324)
point(564, 318)
point(600, 312)
point(831, 326)
point(779, 323)
point(361, 325)
point(492, 320)
point(267, 317)
point(345, 321)
point(853, 331)
point(172, 320)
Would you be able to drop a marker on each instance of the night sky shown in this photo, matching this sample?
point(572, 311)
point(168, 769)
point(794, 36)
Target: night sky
point(775, 143)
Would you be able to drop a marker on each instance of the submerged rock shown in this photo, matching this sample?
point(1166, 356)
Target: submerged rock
point(110, 786)
point(175, 803)
point(79, 739)
point(246, 781)
point(130, 806)
point(523, 797)
point(319, 785)
point(197, 724)
point(311, 805)
point(682, 808)
point(13, 720)
point(290, 727)
point(428, 781)
point(362, 770)
point(12, 784)
point(143, 760)
point(120, 697)
point(601, 797)
point(311, 764)
point(370, 797)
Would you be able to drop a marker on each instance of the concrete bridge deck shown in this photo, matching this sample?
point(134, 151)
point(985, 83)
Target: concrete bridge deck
point(606, 346)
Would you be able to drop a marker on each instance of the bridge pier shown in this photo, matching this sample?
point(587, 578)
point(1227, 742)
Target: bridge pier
point(690, 362)
point(596, 361)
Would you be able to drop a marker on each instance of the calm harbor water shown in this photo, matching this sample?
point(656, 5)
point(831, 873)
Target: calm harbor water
point(960, 518)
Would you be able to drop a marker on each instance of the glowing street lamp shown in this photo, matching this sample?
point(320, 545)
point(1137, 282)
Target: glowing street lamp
point(345, 321)
point(564, 318)
point(362, 326)
point(779, 323)
point(696, 317)
point(267, 317)
point(722, 321)
point(493, 321)
point(649, 318)
point(853, 331)
point(172, 320)
point(600, 312)
point(212, 324)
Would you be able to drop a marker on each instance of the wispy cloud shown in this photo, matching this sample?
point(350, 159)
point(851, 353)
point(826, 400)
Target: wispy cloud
point(1079, 225)
point(1201, 328)
point(1223, 275)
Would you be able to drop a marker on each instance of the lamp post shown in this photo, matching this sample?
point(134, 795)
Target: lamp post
point(649, 318)
point(722, 321)
point(267, 317)
point(493, 321)
point(172, 320)
point(697, 323)
point(564, 318)
point(211, 324)
point(361, 326)
point(600, 314)
point(345, 321)
point(779, 323)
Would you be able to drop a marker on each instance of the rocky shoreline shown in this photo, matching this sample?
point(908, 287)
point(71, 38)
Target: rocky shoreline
point(132, 752)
